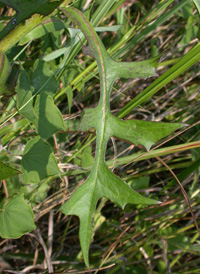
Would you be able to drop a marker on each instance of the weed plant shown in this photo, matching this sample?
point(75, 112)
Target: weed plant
point(47, 82)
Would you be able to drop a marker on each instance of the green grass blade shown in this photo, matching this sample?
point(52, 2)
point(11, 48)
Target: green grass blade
point(192, 57)
point(159, 21)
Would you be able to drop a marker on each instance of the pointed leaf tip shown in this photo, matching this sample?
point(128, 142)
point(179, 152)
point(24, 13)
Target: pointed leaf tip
point(84, 200)
point(144, 133)
point(7, 172)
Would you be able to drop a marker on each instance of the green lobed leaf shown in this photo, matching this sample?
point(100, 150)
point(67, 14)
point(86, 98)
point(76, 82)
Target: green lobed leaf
point(7, 172)
point(138, 132)
point(141, 132)
point(16, 218)
point(38, 161)
point(24, 9)
point(83, 202)
point(101, 181)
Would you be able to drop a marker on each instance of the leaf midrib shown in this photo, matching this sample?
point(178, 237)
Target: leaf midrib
point(99, 155)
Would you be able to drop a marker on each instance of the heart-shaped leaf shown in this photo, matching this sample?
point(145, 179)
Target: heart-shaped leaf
point(16, 218)
point(38, 161)
point(44, 113)
point(48, 117)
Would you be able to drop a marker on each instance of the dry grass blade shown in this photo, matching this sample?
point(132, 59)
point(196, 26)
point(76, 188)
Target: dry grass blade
point(183, 191)
point(48, 259)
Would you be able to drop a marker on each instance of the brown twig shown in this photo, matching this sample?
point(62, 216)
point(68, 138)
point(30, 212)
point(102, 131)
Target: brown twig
point(5, 189)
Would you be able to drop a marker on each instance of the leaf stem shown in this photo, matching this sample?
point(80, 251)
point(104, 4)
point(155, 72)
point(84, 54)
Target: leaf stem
point(5, 189)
